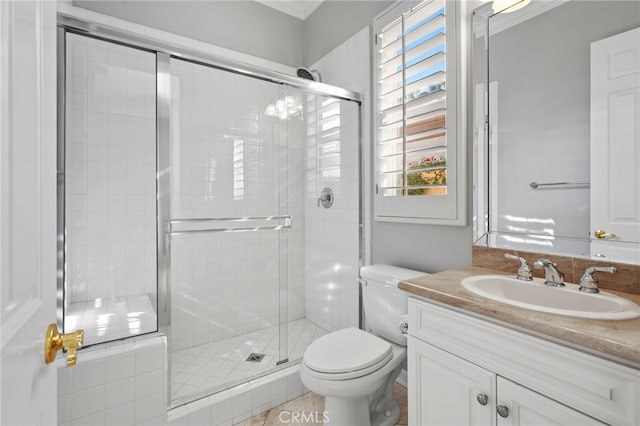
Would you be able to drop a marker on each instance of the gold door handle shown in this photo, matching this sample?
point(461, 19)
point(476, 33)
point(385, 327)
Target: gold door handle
point(600, 234)
point(54, 341)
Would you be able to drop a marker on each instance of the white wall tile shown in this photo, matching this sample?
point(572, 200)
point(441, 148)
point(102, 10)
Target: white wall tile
point(149, 407)
point(152, 422)
point(113, 400)
point(241, 402)
point(332, 236)
point(64, 381)
point(96, 419)
point(278, 391)
point(148, 359)
point(87, 375)
point(178, 416)
point(294, 386)
point(148, 383)
point(120, 392)
point(200, 418)
point(121, 415)
point(260, 397)
point(120, 366)
point(64, 408)
point(222, 412)
point(88, 402)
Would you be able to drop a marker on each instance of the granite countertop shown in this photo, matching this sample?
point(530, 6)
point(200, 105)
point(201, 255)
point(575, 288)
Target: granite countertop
point(617, 340)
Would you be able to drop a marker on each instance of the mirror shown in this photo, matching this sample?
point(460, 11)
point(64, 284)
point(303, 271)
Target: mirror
point(556, 110)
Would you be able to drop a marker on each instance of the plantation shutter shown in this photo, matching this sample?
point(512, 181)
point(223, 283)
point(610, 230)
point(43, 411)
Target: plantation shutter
point(416, 112)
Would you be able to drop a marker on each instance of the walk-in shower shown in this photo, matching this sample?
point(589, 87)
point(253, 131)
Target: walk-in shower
point(193, 196)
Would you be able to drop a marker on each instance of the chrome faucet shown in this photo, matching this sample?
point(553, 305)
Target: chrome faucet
point(552, 276)
point(524, 271)
point(589, 282)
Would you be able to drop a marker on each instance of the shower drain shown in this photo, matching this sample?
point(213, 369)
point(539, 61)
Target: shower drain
point(255, 357)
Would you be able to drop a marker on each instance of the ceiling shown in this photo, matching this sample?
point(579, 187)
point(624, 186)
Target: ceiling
point(300, 9)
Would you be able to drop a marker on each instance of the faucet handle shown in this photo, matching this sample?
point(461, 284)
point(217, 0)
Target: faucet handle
point(524, 271)
point(589, 282)
point(542, 263)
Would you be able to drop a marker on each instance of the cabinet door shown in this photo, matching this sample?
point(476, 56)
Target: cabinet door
point(444, 389)
point(528, 408)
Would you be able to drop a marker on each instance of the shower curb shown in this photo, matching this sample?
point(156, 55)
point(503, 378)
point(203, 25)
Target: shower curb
point(243, 401)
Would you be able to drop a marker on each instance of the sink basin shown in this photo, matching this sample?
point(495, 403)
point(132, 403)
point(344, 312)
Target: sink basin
point(538, 296)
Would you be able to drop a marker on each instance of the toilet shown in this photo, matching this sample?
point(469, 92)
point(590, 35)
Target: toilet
point(354, 369)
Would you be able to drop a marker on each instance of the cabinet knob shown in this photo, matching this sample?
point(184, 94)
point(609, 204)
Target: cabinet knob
point(482, 398)
point(503, 411)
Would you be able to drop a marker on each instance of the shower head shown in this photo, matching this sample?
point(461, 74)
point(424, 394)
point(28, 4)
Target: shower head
point(309, 74)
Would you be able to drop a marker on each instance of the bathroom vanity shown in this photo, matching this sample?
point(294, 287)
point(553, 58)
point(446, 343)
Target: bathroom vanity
point(474, 361)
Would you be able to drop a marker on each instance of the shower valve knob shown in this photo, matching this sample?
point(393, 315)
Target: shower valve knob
point(326, 198)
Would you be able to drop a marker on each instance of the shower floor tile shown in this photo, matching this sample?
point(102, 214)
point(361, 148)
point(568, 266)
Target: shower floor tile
point(105, 319)
point(199, 369)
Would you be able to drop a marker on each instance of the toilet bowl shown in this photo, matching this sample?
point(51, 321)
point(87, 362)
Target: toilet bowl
point(354, 369)
point(348, 393)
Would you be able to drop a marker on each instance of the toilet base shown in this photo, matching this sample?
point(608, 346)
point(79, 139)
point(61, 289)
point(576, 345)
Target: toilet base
point(377, 409)
point(346, 412)
point(383, 408)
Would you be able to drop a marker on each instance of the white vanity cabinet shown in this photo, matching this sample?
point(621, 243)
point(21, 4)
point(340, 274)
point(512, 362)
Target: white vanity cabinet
point(443, 389)
point(468, 371)
point(528, 408)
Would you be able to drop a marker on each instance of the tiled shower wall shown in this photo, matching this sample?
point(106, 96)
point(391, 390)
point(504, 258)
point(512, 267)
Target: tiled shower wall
point(332, 235)
point(115, 384)
point(110, 170)
point(230, 159)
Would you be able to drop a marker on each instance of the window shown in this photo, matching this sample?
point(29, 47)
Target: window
point(417, 145)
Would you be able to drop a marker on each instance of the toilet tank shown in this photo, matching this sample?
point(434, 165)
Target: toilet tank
point(385, 305)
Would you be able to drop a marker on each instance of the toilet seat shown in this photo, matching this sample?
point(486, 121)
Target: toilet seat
point(346, 354)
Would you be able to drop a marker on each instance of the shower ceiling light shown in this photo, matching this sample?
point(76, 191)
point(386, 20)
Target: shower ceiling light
point(284, 108)
point(508, 6)
point(270, 111)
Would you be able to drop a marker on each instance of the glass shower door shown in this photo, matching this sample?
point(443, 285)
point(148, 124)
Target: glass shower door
point(231, 219)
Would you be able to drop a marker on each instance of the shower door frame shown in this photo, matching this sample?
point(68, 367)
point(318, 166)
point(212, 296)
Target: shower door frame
point(165, 51)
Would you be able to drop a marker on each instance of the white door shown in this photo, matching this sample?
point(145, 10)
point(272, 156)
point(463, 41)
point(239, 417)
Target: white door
point(519, 406)
point(447, 390)
point(615, 144)
point(27, 209)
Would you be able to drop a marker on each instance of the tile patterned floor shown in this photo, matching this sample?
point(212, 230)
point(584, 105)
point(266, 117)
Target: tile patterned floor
point(106, 319)
point(290, 413)
point(198, 370)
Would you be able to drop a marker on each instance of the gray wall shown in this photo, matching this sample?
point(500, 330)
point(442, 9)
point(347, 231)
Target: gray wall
point(243, 26)
point(334, 22)
point(422, 247)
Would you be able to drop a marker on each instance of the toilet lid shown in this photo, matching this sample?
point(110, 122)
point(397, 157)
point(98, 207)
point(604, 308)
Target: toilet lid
point(346, 350)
